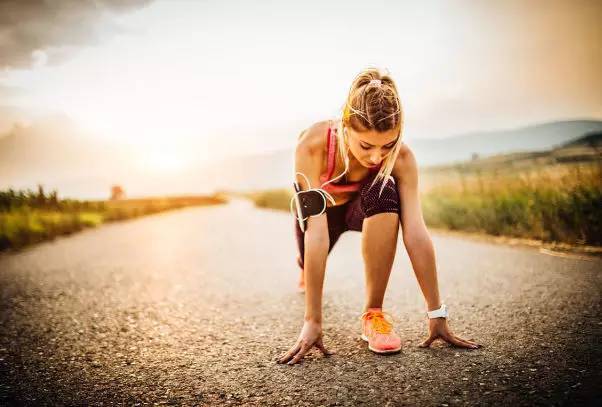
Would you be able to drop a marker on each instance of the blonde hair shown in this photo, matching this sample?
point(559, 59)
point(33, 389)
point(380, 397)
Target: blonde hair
point(372, 105)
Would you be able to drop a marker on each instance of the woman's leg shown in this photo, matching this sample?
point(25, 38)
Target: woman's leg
point(379, 242)
point(378, 220)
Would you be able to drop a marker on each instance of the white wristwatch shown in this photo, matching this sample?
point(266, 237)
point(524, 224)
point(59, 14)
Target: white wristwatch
point(438, 313)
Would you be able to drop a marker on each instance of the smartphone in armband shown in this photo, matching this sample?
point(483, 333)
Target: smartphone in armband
point(309, 203)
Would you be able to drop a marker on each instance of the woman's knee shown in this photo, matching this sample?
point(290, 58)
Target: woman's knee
point(374, 201)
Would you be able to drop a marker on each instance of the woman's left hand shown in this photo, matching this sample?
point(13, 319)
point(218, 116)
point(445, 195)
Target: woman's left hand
point(438, 328)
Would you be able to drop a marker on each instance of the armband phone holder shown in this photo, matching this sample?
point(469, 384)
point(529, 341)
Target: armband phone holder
point(308, 203)
point(312, 202)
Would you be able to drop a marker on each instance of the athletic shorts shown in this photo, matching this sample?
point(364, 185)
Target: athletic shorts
point(351, 215)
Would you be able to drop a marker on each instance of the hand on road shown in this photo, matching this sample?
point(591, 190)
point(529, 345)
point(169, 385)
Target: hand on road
point(438, 328)
point(311, 335)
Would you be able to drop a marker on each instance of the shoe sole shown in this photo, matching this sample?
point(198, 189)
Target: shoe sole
point(381, 352)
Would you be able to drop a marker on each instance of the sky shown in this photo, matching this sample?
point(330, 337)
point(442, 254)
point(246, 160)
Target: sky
point(241, 77)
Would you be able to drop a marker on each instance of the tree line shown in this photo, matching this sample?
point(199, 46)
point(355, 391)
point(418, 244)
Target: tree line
point(12, 199)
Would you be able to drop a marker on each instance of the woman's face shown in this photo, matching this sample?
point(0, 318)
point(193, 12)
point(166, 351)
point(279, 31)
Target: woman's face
point(370, 147)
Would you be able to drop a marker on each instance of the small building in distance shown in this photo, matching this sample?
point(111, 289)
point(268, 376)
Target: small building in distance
point(117, 192)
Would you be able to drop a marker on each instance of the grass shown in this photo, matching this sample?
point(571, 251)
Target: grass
point(27, 218)
point(558, 202)
point(272, 198)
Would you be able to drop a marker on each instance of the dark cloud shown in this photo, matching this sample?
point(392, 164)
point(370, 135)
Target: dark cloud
point(56, 27)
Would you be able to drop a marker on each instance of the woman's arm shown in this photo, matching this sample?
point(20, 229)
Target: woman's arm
point(316, 239)
point(420, 248)
point(416, 237)
point(308, 160)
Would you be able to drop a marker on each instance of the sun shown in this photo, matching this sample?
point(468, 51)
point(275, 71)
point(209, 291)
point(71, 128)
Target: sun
point(163, 161)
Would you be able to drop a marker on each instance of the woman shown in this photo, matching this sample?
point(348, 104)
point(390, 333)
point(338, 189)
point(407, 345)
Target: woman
point(380, 188)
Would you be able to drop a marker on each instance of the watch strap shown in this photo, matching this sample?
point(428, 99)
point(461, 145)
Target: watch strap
point(438, 313)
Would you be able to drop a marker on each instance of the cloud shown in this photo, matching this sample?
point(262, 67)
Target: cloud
point(34, 32)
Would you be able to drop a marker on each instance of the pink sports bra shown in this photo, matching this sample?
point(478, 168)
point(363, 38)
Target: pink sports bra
point(332, 149)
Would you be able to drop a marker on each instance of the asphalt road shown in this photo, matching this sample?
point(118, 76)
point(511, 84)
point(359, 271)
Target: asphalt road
point(193, 306)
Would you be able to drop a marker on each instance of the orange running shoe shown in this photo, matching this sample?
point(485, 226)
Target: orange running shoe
point(378, 332)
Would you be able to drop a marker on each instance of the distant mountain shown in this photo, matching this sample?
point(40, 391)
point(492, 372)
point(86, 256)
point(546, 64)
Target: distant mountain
point(531, 138)
point(591, 139)
point(520, 161)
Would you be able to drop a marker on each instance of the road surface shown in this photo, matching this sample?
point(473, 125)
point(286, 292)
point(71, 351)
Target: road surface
point(193, 306)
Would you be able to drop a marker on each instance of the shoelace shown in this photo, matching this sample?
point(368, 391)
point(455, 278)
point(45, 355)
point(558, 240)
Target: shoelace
point(379, 322)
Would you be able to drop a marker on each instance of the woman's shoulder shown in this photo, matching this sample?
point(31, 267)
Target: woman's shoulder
point(405, 152)
point(405, 162)
point(312, 139)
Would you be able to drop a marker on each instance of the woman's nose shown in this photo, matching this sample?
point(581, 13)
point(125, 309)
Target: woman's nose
point(375, 158)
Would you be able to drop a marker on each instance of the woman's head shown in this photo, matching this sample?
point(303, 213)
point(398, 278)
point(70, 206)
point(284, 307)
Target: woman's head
point(372, 122)
point(370, 147)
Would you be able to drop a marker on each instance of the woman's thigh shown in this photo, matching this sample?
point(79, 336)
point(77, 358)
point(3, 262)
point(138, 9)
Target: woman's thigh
point(368, 202)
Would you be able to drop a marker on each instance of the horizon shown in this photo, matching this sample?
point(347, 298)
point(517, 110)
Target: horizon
point(256, 171)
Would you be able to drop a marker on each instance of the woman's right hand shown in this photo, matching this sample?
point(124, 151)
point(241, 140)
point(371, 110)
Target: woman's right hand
point(311, 335)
